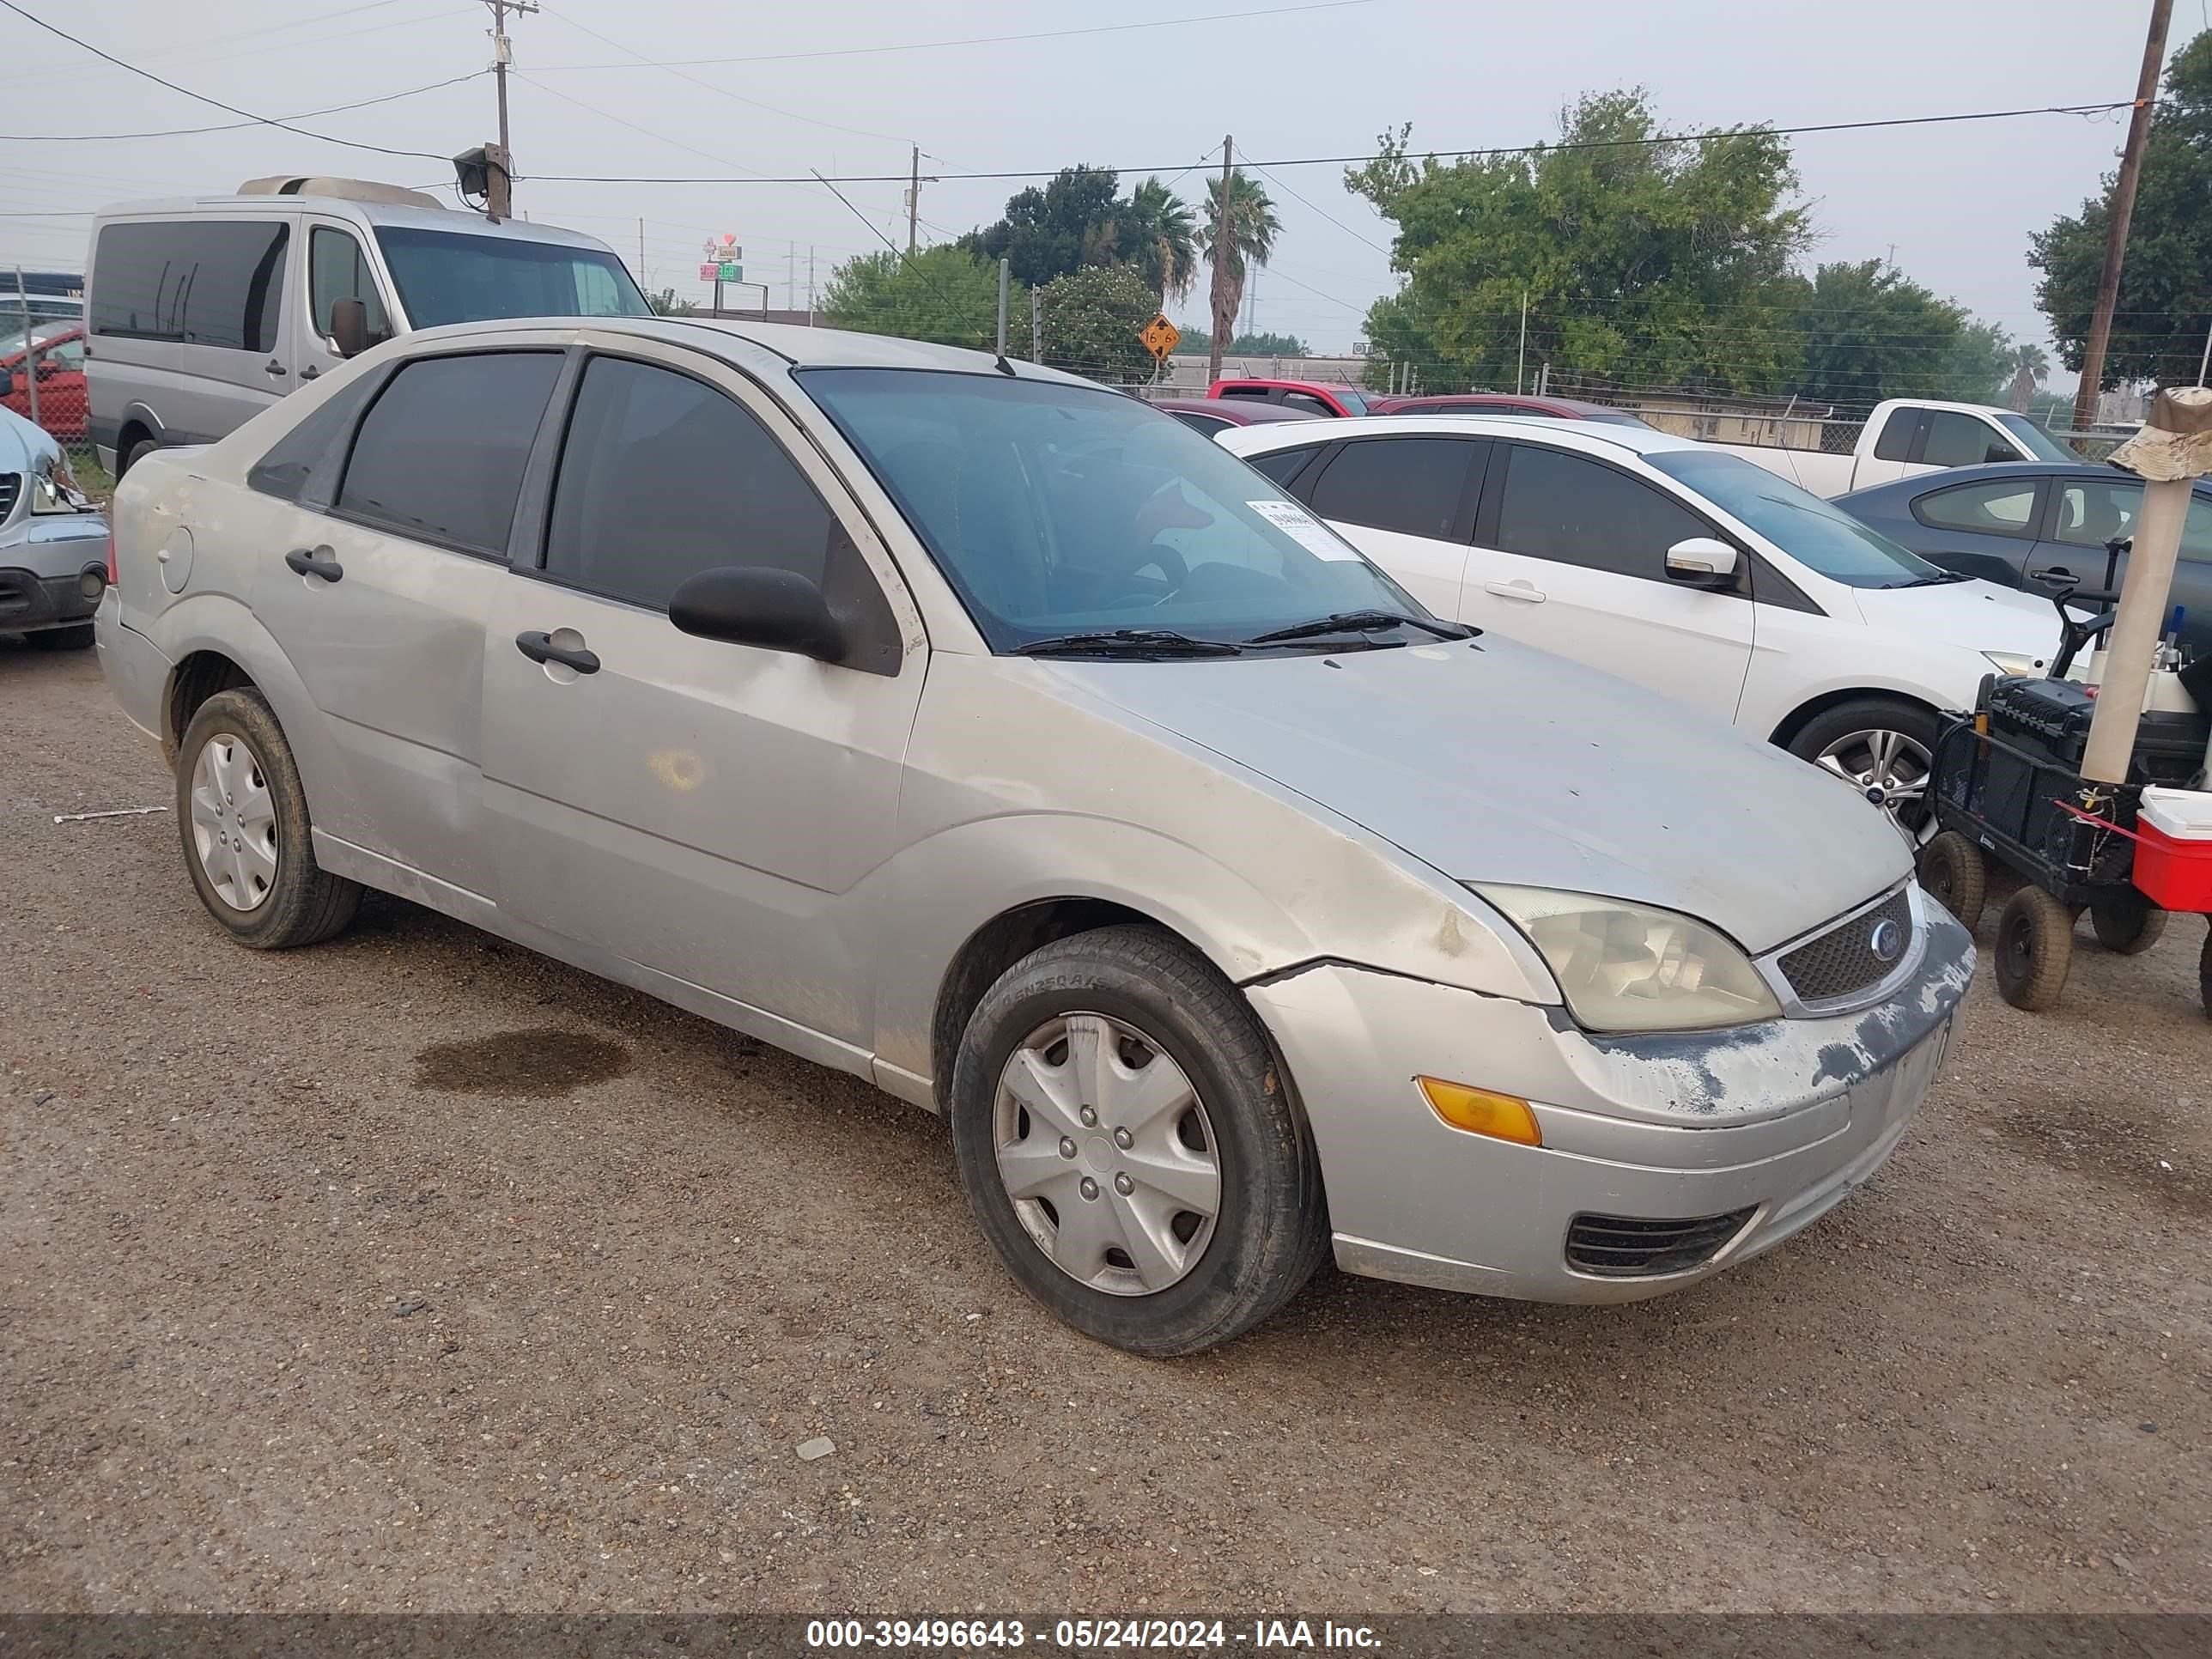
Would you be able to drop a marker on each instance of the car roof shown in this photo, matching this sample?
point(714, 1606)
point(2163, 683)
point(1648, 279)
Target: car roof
point(1637, 440)
point(451, 220)
point(1332, 387)
point(796, 343)
point(1242, 410)
point(1921, 484)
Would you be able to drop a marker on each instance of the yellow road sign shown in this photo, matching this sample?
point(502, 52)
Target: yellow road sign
point(1160, 337)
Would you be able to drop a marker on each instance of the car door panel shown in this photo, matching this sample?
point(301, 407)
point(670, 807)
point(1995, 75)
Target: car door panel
point(1689, 644)
point(1408, 503)
point(712, 811)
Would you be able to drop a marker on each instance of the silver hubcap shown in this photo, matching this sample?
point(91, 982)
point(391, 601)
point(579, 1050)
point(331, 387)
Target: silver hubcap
point(1108, 1154)
point(1888, 768)
point(233, 822)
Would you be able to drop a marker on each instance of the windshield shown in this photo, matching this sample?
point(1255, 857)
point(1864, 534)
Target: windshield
point(447, 277)
point(1058, 509)
point(1818, 535)
point(1351, 400)
point(2035, 441)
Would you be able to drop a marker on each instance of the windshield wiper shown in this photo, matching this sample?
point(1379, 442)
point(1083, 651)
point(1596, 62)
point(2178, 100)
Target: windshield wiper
point(1939, 579)
point(1361, 622)
point(1130, 641)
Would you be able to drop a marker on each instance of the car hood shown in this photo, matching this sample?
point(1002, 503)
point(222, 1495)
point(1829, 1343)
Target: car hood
point(1977, 615)
point(22, 444)
point(1490, 762)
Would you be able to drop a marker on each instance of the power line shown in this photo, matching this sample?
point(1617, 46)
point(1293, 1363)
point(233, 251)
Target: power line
point(229, 126)
point(1317, 208)
point(1349, 160)
point(201, 97)
point(981, 40)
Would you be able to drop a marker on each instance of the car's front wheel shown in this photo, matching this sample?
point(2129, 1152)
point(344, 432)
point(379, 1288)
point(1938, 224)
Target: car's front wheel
point(1882, 747)
point(248, 842)
point(1125, 1137)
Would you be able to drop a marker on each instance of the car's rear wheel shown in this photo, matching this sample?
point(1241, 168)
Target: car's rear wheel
point(248, 842)
point(1881, 746)
point(1124, 1139)
point(74, 637)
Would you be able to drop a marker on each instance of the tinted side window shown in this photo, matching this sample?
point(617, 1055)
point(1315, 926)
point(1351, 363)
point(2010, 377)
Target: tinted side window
point(1896, 440)
point(2092, 511)
point(2004, 508)
point(662, 477)
point(1282, 464)
point(202, 282)
point(1208, 425)
point(1956, 440)
point(338, 269)
point(1306, 401)
point(1575, 511)
point(284, 470)
point(440, 456)
point(1411, 485)
point(1260, 393)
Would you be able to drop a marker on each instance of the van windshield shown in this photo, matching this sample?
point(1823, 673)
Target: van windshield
point(445, 277)
point(1064, 510)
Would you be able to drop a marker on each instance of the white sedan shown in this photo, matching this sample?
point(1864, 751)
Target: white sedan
point(1675, 564)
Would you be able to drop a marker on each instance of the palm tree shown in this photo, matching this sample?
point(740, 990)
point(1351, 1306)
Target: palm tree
point(1250, 228)
point(2030, 368)
point(1158, 240)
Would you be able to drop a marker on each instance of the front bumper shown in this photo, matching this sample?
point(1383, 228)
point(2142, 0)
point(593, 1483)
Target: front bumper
point(1780, 1119)
point(29, 602)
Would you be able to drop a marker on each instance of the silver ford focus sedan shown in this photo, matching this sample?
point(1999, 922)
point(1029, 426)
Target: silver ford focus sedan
point(983, 733)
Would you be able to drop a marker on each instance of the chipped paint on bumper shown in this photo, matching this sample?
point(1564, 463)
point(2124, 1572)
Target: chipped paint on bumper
point(1784, 1118)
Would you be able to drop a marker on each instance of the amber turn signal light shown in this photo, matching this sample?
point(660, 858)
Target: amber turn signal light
point(1482, 1112)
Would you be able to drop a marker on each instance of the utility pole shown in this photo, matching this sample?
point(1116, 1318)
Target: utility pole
point(809, 285)
point(1036, 325)
point(1221, 254)
point(791, 279)
point(2123, 208)
point(641, 251)
point(1002, 307)
point(1520, 362)
point(913, 200)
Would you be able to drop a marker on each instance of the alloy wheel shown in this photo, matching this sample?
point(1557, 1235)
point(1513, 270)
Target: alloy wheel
point(1890, 770)
point(1105, 1149)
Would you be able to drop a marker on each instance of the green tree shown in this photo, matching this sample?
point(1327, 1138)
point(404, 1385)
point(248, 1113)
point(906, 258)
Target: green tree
point(2165, 287)
point(1637, 260)
point(1070, 223)
point(941, 294)
point(2029, 366)
point(1197, 339)
point(1155, 236)
point(1245, 232)
point(666, 304)
point(1869, 332)
point(1091, 319)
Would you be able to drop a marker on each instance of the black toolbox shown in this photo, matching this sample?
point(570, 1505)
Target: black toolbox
point(2050, 717)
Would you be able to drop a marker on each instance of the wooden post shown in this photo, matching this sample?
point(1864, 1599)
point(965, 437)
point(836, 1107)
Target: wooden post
point(2173, 449)
point(2115, 230)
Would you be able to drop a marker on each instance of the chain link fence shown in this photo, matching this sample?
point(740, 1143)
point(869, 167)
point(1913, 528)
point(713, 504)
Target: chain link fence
point(42, 379)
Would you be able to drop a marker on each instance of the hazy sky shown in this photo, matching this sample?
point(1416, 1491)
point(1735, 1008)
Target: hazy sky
point(1289, 81)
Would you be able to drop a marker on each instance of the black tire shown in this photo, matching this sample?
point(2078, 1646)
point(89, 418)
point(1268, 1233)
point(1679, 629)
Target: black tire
point(2128, 927)
point(2034, 948)
point(1831, 726)
point(2204, 968)
point(77, 636)
point(1953, 871)
point(303, 904)
point(130, 456)
point(1271, 1229)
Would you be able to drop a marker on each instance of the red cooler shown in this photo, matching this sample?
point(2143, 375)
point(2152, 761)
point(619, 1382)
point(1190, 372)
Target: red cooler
point(2173, 851)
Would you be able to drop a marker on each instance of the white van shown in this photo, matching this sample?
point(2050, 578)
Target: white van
point(203, 313)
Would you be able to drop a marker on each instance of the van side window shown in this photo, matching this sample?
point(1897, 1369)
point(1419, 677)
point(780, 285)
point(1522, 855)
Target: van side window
point(203, 281)
point(338, 269)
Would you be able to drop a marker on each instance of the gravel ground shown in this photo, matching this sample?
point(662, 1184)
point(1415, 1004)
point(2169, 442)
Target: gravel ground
point(417, 1272)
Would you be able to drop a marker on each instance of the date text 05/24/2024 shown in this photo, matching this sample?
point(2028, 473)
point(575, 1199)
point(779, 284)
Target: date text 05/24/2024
point(1086, 1634)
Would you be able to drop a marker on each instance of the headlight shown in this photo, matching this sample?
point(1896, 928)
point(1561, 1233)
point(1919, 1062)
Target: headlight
point(1625, 966)
point(2013, 662)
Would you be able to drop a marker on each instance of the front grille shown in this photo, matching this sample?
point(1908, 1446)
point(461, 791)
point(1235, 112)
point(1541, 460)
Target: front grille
point(1635, 1247)
point(11, 485)
point(1842, 961)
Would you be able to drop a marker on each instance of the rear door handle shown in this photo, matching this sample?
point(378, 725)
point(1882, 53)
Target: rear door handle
point(1526, 592)
point(539, 647)
point(313, 564)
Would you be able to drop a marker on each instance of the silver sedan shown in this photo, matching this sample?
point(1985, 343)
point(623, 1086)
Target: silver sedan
point(982, 732)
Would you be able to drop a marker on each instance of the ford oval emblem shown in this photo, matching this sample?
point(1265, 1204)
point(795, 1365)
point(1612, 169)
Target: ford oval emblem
point(1886, 941)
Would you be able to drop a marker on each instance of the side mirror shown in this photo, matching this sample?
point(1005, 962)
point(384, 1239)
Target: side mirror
point(1702, 561)
point(350, 327)
point(752, 604)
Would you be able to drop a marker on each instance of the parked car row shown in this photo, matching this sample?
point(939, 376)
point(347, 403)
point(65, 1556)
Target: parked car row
point(981, 731)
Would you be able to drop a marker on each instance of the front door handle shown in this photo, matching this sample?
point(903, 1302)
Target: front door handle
point(275, 369)
point(1526, 592)
point(539, 647)
point(309, 372)
point(313, 564)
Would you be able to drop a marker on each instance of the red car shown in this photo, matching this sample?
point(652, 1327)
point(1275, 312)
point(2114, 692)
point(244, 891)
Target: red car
point(1312, 397)
point(63, 407)
point(1210, 414)
point(1503, 402)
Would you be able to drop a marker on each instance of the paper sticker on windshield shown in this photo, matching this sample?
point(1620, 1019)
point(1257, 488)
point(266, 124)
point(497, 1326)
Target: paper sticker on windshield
point(1302, 528)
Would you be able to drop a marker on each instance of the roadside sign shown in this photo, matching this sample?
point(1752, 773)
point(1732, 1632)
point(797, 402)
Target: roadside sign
point(721, 273)
point(1160, 337)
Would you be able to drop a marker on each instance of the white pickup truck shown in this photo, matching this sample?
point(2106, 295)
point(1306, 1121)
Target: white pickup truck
point(1909, 436)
